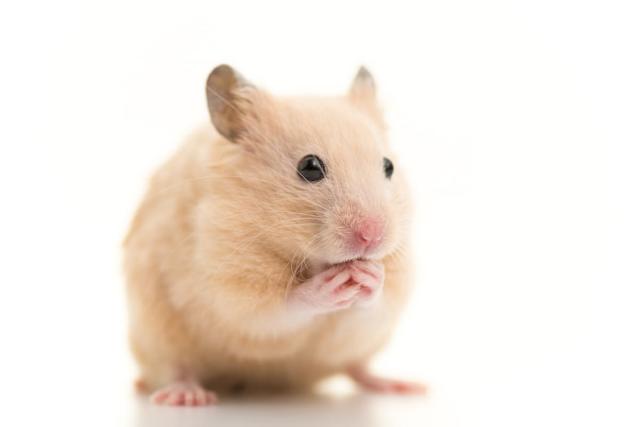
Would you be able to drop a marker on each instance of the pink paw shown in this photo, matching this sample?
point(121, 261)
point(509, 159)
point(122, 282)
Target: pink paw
point(339, 287)
point(373, 383)
point(330, 290)
point(184, 393)
point(369, 275)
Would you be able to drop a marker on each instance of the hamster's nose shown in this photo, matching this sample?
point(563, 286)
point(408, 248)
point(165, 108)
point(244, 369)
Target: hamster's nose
point(367, 234)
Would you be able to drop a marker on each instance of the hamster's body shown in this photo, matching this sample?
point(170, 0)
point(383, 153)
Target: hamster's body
point(219, 246)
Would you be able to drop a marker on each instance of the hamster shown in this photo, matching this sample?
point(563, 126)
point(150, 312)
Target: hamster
point(272, 250)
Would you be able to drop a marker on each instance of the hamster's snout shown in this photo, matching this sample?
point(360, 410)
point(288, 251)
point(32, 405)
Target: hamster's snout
point(367, 234)
point(355, 231)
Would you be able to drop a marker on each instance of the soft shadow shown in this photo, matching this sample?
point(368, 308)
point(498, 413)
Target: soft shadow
point(310, 410)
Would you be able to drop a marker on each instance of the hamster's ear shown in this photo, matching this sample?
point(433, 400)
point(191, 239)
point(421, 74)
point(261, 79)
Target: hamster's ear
point(363, 87)
point(227, 98)
point(363, 94)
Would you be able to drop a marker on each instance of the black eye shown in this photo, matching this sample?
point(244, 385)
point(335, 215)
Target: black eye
point(388, 168)
point(311, 168)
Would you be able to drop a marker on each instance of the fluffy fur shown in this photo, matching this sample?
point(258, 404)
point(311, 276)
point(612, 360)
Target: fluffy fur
point(228, 229)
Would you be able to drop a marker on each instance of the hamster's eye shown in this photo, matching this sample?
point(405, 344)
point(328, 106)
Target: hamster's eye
point(311, 168)
point(388, 168)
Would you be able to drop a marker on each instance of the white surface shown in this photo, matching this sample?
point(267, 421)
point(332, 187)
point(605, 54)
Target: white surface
point(518, 122)
point(310, 411)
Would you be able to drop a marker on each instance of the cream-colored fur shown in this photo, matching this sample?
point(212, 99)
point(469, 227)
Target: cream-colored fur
point(228, 229)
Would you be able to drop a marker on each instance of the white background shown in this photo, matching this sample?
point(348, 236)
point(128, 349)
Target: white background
point(518, 123)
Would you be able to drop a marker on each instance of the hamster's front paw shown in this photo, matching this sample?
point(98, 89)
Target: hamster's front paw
point(356, 283)
point(369, 275)
point(330, 290)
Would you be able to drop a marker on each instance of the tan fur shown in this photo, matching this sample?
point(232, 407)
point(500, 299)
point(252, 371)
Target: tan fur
point(227, 229)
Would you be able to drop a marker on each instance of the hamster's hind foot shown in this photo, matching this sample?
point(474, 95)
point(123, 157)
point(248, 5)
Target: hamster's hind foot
point(377, 384)
point(184, 393)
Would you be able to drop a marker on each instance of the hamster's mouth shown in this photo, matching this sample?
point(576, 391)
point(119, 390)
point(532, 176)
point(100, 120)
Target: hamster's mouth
point(351, 257)
point(347, 260)
point(319, 265)
point(356, 258)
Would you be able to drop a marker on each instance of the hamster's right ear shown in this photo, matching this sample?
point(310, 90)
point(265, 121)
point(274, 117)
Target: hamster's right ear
point(228, 98)
point(363, 95)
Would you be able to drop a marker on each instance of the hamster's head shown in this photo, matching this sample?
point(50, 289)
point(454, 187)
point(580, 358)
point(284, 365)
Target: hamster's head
point(318, 177)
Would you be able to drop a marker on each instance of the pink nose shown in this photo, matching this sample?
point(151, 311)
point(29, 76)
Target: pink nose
point(368, 233)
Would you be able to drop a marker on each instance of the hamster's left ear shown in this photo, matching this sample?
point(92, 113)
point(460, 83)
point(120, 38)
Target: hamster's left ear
point(229, 100)
point(363, 94)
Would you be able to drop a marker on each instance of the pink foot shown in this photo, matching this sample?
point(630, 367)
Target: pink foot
point(184, 393)
point(377, 384)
